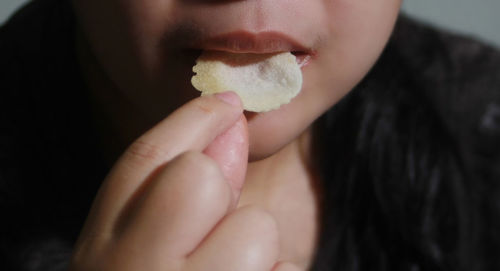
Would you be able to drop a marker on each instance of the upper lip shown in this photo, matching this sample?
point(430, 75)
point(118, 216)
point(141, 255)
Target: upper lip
point(248, 42)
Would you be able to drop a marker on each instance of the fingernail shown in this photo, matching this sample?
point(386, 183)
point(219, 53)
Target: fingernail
point(228, 97)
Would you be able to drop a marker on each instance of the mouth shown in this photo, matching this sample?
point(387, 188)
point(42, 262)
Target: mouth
point(270, 42)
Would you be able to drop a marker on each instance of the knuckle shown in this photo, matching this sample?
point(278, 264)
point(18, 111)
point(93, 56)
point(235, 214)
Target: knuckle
point(145, 152)
point(260, 230)
point(197, 163)
point(262, 224)
point(205, 108)
point(203, 178)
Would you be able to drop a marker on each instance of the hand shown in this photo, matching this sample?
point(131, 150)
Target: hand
point(169, 202)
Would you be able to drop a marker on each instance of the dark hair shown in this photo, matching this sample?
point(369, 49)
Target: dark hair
point(409, 183)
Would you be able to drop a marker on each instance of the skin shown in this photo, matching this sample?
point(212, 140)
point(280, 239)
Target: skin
point(183, 195)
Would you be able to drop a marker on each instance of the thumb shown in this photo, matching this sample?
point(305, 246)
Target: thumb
point(230, 151)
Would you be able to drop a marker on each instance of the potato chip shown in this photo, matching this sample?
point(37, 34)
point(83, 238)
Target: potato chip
point(263, 81)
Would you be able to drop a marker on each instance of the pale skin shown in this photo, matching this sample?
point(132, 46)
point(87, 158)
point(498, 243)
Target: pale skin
point(200, 186)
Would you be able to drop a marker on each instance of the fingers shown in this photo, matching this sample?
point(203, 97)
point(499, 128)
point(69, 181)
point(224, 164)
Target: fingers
point(230, 151)
point(166, 204)
point(191, 128)
point(179, 208)
point(247, 239)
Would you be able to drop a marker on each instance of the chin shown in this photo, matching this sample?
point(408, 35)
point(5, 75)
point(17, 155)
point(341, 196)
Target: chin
point(271, 131)
point(263, 146)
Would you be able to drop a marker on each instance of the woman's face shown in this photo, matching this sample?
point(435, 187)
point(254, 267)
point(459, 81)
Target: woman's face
point(148, 47)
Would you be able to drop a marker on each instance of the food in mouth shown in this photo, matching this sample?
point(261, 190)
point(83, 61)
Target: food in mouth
point(264, 82)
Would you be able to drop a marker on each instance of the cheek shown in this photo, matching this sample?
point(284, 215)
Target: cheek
point(112, 36)
point(126, 38)
point(147, 22)
point(123, 30)
point(354, 34)
point(358, 31)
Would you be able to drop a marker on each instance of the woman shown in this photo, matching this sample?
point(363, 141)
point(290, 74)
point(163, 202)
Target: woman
point(385, 161)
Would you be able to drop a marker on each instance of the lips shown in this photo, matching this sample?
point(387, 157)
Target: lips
point(257, 43)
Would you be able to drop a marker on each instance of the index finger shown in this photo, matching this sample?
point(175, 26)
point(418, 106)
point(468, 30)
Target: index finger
point(190, 128)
